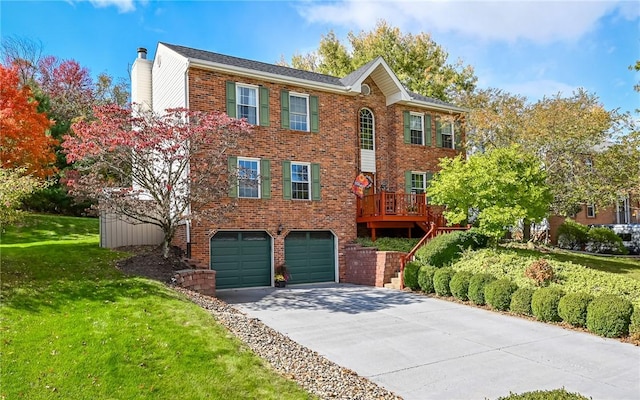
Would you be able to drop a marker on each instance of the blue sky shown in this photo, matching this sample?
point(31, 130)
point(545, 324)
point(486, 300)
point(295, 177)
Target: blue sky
point(533, 48)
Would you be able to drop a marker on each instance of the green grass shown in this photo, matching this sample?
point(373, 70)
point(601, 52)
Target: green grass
point(389, 244)
point(73, 327)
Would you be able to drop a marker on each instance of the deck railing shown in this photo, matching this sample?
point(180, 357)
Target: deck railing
point(393, 204)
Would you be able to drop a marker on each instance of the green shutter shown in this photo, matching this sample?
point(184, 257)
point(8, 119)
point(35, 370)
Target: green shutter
point(315, 181)
point(284, 109)
point(457, 135)
point(407, 181)
point(265, 175)
point(427, 130)
point(313, 106)
point(264, 106)
point(429, 178)
point(286, 179)
point(231, 99)
point(233, 174)
point(407, 127)
point(438, 133)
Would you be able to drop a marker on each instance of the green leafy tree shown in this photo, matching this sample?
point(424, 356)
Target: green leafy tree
point(421, 64)
point(15, 185)
point(501, 187)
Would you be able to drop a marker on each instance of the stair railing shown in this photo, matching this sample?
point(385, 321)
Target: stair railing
point(409, 256)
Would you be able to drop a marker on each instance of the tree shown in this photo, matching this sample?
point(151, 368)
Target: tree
point(156, 169)
point(501, 187)
point(14, 187)
point(419, 62)
point(24, 141)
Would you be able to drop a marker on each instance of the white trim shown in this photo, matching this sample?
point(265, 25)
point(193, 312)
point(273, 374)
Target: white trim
point(308, 122)
point(240, 85)
point(373, 120)
point(421, 115)
point(257, 161)
point(309, 179)
point(424, 177)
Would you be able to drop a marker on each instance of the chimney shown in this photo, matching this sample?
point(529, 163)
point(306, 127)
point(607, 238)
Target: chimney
point(142, 53)
point(141, 80)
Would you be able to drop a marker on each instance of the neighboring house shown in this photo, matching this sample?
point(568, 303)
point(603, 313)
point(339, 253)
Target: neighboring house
point(314, 134)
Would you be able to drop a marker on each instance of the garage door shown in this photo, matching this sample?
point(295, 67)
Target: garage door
point(241, 259)
point(310, 256)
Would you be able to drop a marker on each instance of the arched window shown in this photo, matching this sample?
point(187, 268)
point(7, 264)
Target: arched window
point(366, 129)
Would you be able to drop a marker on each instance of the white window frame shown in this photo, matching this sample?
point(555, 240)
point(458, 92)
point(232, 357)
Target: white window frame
point(623, 211)
point(424, 181)
point(291, 113)
point(453, 137)
point(422, 138)
point(240, 86)
point(373, 129)
point(591, 210)
point(308, 182)
point(257, 179)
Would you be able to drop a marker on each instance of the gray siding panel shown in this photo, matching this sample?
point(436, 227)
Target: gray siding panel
point(117, 231)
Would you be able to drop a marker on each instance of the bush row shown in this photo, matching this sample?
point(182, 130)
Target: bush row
point(607, 315)
point(445, 249)
point(575, 236)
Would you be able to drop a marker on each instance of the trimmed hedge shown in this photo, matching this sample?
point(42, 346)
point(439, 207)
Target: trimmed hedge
point(556, 394)
point(498, 293)
point(604, 241)
point(544, 304)
point(411, 275)
point(572, 308)
point(572, 235)
point(634, 326)
point(425, 278)
point(441, 280)
point(476, 287)
point(609, 316)
point(459, 285)
point(444, 249)
point(521, 301)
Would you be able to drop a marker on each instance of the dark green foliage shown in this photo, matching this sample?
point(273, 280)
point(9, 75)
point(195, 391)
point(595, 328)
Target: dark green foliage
point(56, 200)
point(572, 235)
point(411, 275)
point(521, 301)
point(389, 243)
point(459, 285)
point(544, 304)
point(609, 316)
point(477, 284)
point(634, 326)
point(573, 308)
point(498, 293)
point(604, 241)
point(425, 278)
point(441, 280)
point(444, 249)
point(556, 394)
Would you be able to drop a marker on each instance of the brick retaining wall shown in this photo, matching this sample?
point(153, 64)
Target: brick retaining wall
point(199, 280)
point(368, 266)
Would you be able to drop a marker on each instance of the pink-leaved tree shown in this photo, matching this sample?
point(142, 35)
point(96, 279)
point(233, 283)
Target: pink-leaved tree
point(160, 169)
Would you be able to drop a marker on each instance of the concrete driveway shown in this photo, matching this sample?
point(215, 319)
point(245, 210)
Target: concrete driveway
point(426, 348)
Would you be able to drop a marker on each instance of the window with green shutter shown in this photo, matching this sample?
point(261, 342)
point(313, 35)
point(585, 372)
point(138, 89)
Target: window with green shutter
point(264, 106)
point(301, 181)
point(231, 99)
point(249, 102)
point(284, 109)
point(444, 134)
point(265, 177)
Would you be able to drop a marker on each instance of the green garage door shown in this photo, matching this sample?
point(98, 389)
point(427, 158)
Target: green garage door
point(310, 256)
point(241, 259)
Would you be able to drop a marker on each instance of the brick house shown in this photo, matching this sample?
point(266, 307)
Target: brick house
point(314, 134)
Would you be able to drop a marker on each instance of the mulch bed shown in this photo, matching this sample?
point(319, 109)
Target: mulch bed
point(148, 262)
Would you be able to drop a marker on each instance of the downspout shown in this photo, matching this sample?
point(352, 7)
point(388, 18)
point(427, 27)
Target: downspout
point(186, 103)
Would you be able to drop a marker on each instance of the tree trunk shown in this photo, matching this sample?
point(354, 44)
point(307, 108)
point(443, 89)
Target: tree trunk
point(526, 230)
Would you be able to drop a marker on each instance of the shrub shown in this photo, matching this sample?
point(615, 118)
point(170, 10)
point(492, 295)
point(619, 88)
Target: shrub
point(425, 278)
point(441, 280)
point(634, 326)
point(473, 239)
point(604, 241)
point(498, 293)
point(441, 250)
point(540, 271)
point(459, 285)
point(476, 287)
point(411, 275)
point(572, 235)
point(521, 301)
point(544, 304)
point(556, 394)
point(609, 316)
point(572, 308)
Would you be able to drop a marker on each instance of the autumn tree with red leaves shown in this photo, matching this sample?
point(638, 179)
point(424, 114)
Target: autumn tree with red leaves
point(24, 142)
point(156, 169)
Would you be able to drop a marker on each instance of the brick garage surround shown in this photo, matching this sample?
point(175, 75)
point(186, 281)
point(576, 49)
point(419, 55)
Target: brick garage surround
point(367, 266)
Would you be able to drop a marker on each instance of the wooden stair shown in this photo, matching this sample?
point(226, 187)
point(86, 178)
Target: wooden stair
point(395, 282)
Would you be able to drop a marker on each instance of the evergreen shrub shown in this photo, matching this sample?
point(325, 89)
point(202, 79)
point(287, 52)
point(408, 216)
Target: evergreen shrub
point(572, 308)
point(411, 275)
point(556, 394)
point(521, 301)
point(634, 326)
point(609, 316)
point(459, 285)
point(544, 304)
point(604, 241)
point(572, 235)
point(425, 278)
point(476, 287)
point(441, 280)
point(497, 294)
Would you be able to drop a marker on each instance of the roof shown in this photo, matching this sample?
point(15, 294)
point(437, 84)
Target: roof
point(377, 68)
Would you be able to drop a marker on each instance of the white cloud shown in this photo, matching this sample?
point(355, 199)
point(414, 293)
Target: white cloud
point(537, 89)
point(536, 21)
point(123, 6)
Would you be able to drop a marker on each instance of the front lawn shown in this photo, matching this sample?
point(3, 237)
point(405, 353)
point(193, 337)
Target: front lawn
point(73, 327)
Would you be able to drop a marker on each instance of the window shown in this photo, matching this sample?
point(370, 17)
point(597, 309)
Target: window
point(588, 162)
point(445, 135)
point(248, 178)
point(417, 128)
point(300, 181)
point(591, 210)
point(366, 129)
point(623, 216)
point(247, 103)
point(418, 182)
point(298, 112)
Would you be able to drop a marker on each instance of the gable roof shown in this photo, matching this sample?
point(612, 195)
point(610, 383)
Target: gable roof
point(377, 68)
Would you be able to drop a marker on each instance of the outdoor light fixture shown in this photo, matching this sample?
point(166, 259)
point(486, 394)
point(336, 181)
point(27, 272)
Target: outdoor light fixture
point(280, 229)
